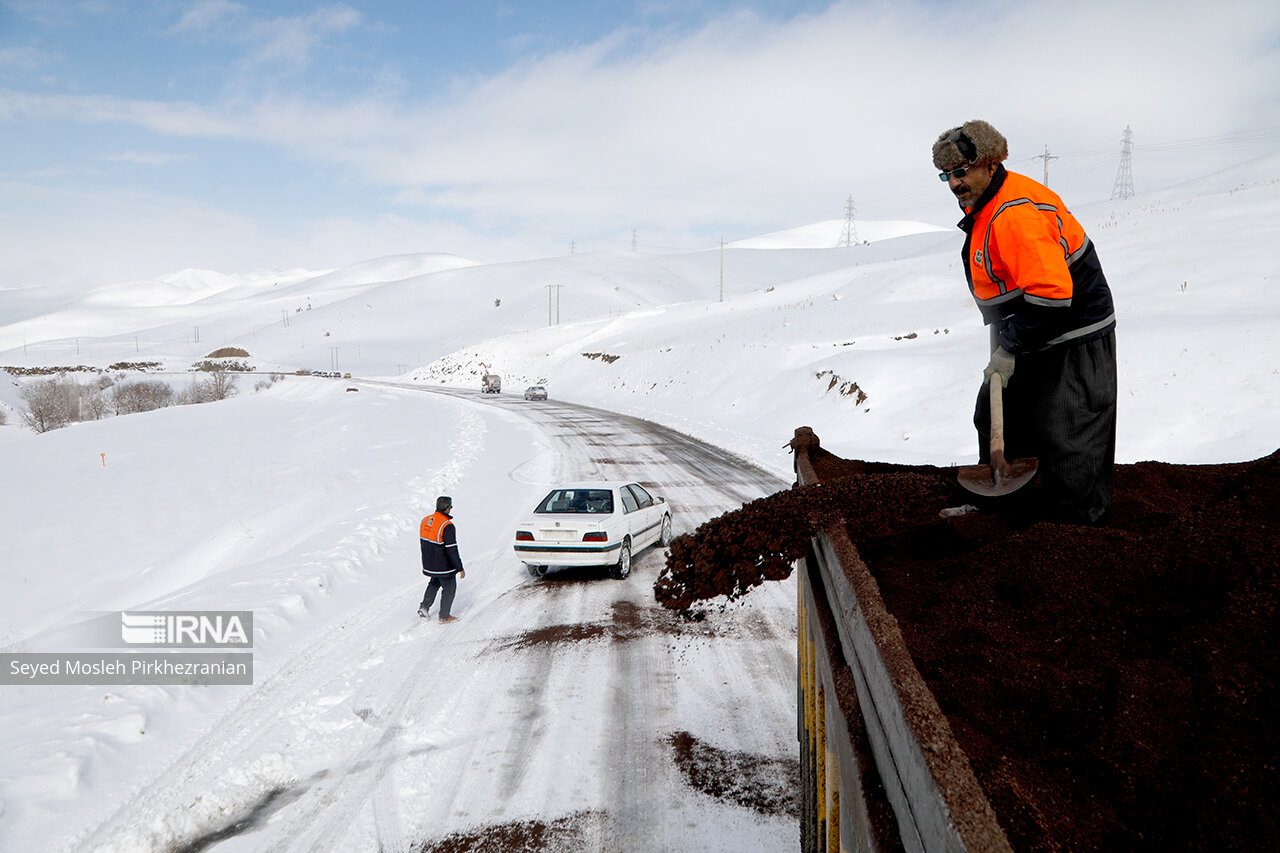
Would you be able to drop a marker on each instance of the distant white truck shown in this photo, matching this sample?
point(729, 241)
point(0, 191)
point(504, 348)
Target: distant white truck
point(491, 383)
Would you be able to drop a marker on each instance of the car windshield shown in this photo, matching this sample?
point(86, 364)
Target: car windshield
point(577, 500)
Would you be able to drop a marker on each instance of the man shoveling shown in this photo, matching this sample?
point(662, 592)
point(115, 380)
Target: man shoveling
point(1038, 282)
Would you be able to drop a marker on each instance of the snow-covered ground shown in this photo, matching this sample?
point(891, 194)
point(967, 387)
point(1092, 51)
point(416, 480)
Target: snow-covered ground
point(295, 504)
point(300, 501)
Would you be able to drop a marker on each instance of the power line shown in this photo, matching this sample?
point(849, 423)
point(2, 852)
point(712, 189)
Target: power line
point(1265, 138)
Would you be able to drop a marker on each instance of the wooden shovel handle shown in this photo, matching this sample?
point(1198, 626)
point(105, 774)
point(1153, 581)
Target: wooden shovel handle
point(998, 463)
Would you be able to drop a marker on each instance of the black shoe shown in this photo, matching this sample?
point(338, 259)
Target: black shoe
point(422, 611)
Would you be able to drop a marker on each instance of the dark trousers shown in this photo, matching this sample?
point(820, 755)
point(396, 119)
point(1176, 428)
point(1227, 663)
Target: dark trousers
point(1060, 407)
point(447, 586)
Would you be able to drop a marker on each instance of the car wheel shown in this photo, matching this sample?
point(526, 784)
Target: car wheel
point(623, 566)
point(536, 571)
point(664, 538)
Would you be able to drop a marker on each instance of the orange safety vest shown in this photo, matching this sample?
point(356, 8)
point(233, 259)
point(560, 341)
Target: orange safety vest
point(432, 527)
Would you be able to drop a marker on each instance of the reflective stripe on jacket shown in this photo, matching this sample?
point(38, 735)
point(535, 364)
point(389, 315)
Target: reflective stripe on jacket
point(1032, 269)
point(439, 541)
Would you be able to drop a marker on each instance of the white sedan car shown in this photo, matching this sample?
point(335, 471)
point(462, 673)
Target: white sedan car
point(592, 524)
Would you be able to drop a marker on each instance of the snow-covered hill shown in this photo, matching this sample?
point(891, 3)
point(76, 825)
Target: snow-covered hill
point(875, 345)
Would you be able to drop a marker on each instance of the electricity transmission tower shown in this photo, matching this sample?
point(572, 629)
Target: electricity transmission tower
point(849, 236)
point(1124, 177)
point(1046, 157)
point(635, 239)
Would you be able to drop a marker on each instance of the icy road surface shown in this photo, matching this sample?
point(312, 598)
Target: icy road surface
point(567, 714)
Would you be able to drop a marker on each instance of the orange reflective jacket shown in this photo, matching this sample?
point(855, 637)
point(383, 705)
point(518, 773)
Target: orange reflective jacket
point(1031, 268)
point(439, 545)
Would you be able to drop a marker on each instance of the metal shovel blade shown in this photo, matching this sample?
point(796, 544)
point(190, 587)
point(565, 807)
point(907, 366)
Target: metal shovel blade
point(995, 479)
point(1002, 476)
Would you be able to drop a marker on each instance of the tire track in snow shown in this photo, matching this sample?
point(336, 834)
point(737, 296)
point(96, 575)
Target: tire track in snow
point(330, 808)
point(638, 795)
point(367, 780)
point(196, 773)
point(527, 733)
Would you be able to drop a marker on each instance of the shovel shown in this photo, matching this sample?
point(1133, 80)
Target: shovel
point(1002, 476)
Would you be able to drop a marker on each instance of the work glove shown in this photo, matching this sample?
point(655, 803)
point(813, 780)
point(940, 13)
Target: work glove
point(1001, 363)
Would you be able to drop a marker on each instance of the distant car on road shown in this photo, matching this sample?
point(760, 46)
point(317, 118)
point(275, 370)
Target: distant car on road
point(491, 383)
point(535, 392)
point(592, 524)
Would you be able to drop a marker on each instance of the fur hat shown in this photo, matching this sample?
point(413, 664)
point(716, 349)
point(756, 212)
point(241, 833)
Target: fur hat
point(974, 142)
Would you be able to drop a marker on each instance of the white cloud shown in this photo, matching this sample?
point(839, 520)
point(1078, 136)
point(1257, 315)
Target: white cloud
point(748, 115)
point(165, 118)
point(745, 125)
point(27, 58)
point(289, 42)
point(202, 16)
point(146, 158)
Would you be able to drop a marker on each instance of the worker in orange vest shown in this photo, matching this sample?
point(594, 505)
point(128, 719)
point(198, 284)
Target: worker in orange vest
point(440, 560)
point(1039, 285)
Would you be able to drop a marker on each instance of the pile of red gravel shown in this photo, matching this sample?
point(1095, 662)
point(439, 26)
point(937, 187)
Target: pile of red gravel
point(1112, 686)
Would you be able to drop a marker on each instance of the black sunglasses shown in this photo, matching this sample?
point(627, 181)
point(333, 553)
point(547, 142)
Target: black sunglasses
point(956, 173)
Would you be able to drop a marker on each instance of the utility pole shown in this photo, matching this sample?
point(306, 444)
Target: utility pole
point(1123, 187)
point(722, 269)
point(635, 238)
point(849, 236)
point(1046, 157)
point(557, 289)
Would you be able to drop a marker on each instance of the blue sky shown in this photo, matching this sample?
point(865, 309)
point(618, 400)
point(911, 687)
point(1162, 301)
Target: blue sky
point(140, 138)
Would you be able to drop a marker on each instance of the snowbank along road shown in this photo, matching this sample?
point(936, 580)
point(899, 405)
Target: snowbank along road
point(566, 713)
